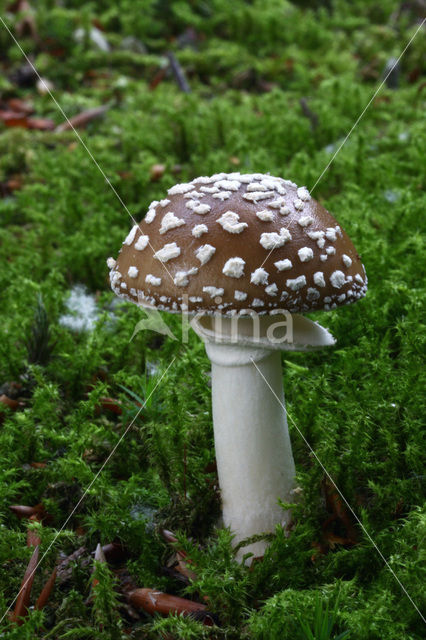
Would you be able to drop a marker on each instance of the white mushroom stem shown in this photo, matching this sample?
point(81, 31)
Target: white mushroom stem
point(253, 450)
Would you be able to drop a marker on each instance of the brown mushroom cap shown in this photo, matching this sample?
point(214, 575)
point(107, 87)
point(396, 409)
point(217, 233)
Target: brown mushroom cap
point(234, 242)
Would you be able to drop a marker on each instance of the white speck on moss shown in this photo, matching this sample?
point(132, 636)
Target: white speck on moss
point(199, 229)
point(82, 313)
point(170, 221)
point(275, 240)
point(213, 291)
point(240, 295)
point(234, 267)
point(337, 279)
point(346, 260)
point(168, 252)
point(131, 235)
point(305, 254)
point(265, 215)
point(141, 243)
point(283, 265)
point(205, 252)
point(260, 276)
point(230, 222)
point(150, 279)
point(319, 279)
point(296, 283)
point(133, 272)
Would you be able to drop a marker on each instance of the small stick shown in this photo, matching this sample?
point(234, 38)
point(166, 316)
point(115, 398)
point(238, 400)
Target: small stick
point(178, 73)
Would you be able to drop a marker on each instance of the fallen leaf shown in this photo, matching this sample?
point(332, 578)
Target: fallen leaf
point(82, 119)
point(9, 402)
point(46, 591)
point(16, 104)
point(41, 124)
point(25, 511)
point(23, 598)
point(153, 601)
point(33, 539)
point(110, 404)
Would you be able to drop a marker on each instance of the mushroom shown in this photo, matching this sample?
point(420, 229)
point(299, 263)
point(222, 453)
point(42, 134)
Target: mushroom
point(245, 255)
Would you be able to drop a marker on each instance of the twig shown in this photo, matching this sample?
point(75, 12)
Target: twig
point(178, 73)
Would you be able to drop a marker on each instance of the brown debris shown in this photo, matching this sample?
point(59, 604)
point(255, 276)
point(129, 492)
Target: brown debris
point(46, 591)
point(23, 598)
point(153, 601)
point(33, 539)
point(9, 402)
point(111, 404)
point(156, 172)
point(25, 511)
point(340, 518)
point(82, 119)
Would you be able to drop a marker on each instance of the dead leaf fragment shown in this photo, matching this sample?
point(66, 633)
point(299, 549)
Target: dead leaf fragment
point(23, 598)
point(82, 119)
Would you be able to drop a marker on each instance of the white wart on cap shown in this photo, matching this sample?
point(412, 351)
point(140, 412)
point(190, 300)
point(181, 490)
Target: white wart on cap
point(259, 242)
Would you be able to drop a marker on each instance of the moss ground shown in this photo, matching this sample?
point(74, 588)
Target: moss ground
point(275, 86)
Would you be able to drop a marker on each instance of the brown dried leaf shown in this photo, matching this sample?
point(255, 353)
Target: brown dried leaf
point(82, 119)
point(23, 598)
point(9, 402)
point(153, 601)
point(46, 591)
point(33, 539)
